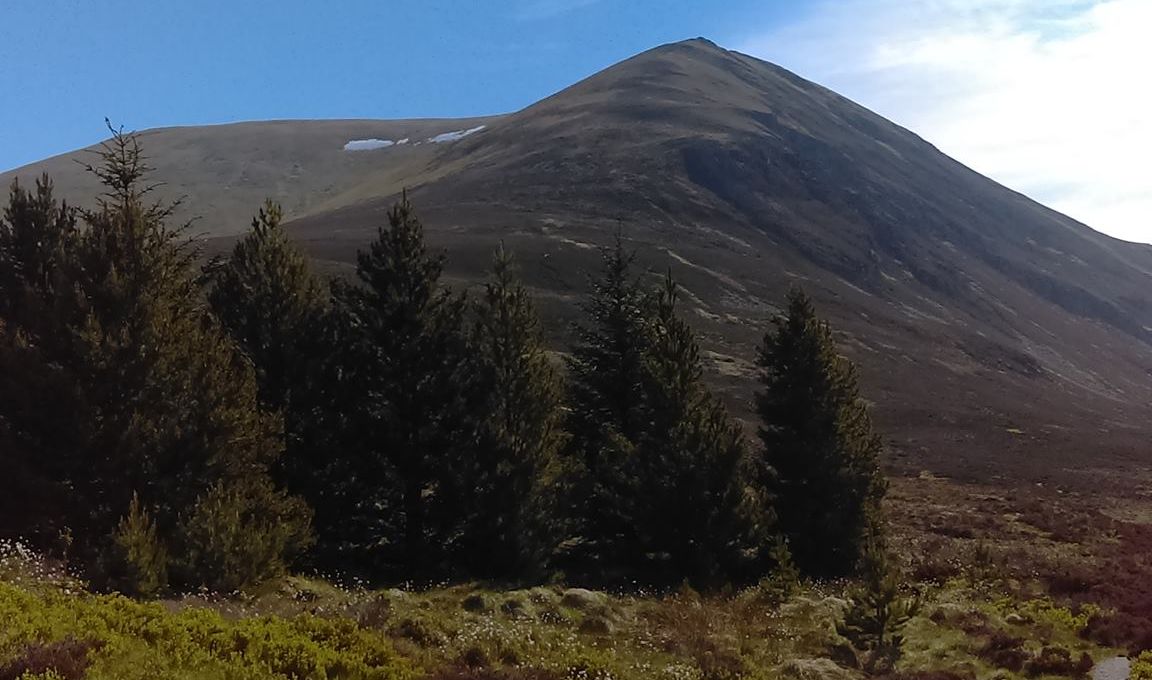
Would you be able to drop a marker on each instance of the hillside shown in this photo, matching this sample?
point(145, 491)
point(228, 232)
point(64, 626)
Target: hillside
point(997, 338)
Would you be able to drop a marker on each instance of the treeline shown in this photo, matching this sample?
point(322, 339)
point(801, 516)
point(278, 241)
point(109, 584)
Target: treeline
point(167, 426)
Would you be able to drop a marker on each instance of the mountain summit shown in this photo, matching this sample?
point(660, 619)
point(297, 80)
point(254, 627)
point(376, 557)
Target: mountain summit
point(990, 329)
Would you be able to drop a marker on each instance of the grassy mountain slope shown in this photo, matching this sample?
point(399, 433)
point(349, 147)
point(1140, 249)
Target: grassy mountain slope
point(997, 337)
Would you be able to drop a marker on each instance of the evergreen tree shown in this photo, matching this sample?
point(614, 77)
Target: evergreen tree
point(606, 368)
point(694, 508)
point(819, 446)
point(877, 611)
point(267, 298)
point(606, 374)
point(666, 491)
point(161, 408)
point(38, 239)
point(519, 435)
point(406, 350)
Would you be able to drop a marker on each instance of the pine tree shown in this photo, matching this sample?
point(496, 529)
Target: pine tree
point(38, 238)
point(606, 374)
point(666, 488)
point(819, 446)
point(606, 367)
point(161, 406)
point(138, 563)
point(406, 351)
point(693, 503)
point(519, 434)
point(267, 298)
point(877, 611)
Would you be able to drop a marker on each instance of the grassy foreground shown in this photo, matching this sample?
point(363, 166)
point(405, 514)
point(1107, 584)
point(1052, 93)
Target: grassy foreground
point(973, 624)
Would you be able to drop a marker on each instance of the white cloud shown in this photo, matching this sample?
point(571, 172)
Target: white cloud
point(1049, 97)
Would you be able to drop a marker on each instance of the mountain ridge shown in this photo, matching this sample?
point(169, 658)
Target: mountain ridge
point(975, 312)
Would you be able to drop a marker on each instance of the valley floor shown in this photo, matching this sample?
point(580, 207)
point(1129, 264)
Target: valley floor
point(1033, 583)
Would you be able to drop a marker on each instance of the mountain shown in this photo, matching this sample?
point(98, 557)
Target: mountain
point(997, 338)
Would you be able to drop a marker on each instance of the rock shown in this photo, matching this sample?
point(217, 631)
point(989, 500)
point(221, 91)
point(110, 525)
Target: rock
point(1115, 668)
point(582, 599)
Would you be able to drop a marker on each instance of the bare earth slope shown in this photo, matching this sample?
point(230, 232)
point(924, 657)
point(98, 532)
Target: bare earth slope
point(997, 337)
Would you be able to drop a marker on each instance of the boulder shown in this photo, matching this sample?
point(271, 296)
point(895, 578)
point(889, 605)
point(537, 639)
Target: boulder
point(582, 599)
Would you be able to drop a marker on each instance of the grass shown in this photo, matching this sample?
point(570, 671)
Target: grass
point(1009, 592)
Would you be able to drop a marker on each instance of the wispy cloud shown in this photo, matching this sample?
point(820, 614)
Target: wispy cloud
point(1049, 97)
point(535, 10)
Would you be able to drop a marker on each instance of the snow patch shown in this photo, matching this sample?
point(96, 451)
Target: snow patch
point(369, 144)
point(455, 135)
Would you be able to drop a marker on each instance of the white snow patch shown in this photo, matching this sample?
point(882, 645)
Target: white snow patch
point(455, 135)
point(369, 144)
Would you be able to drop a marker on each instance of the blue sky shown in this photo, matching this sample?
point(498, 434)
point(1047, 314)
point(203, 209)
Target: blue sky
point(66, 64)
point(1049, 97)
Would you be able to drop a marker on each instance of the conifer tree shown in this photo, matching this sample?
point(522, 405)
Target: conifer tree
point(820, 450)
point(606, 368)
point(161, 407)
point(38, 238)
point(268, 299)
point(519, 434)
point(666, 487)
point(693, 501)
point(606, 374)
point(877, 611)
point(406, 348)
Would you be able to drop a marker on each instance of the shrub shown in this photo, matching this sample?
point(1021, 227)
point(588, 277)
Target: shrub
point(55, 633)
point(1057, 661)
point(1004, 651)
point(68, 659)
point(1141, 668)
point(239, 534)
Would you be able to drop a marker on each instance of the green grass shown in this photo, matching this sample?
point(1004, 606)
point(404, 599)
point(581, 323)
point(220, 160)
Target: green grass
point(988, 613)
point(457, 631)
point(114, 638)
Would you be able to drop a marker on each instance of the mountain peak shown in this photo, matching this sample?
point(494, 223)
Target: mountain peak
point(700, 42)
point(963, 298)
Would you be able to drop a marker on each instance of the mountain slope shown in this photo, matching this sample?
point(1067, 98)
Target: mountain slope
point(222, 171)
point(997, 337)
